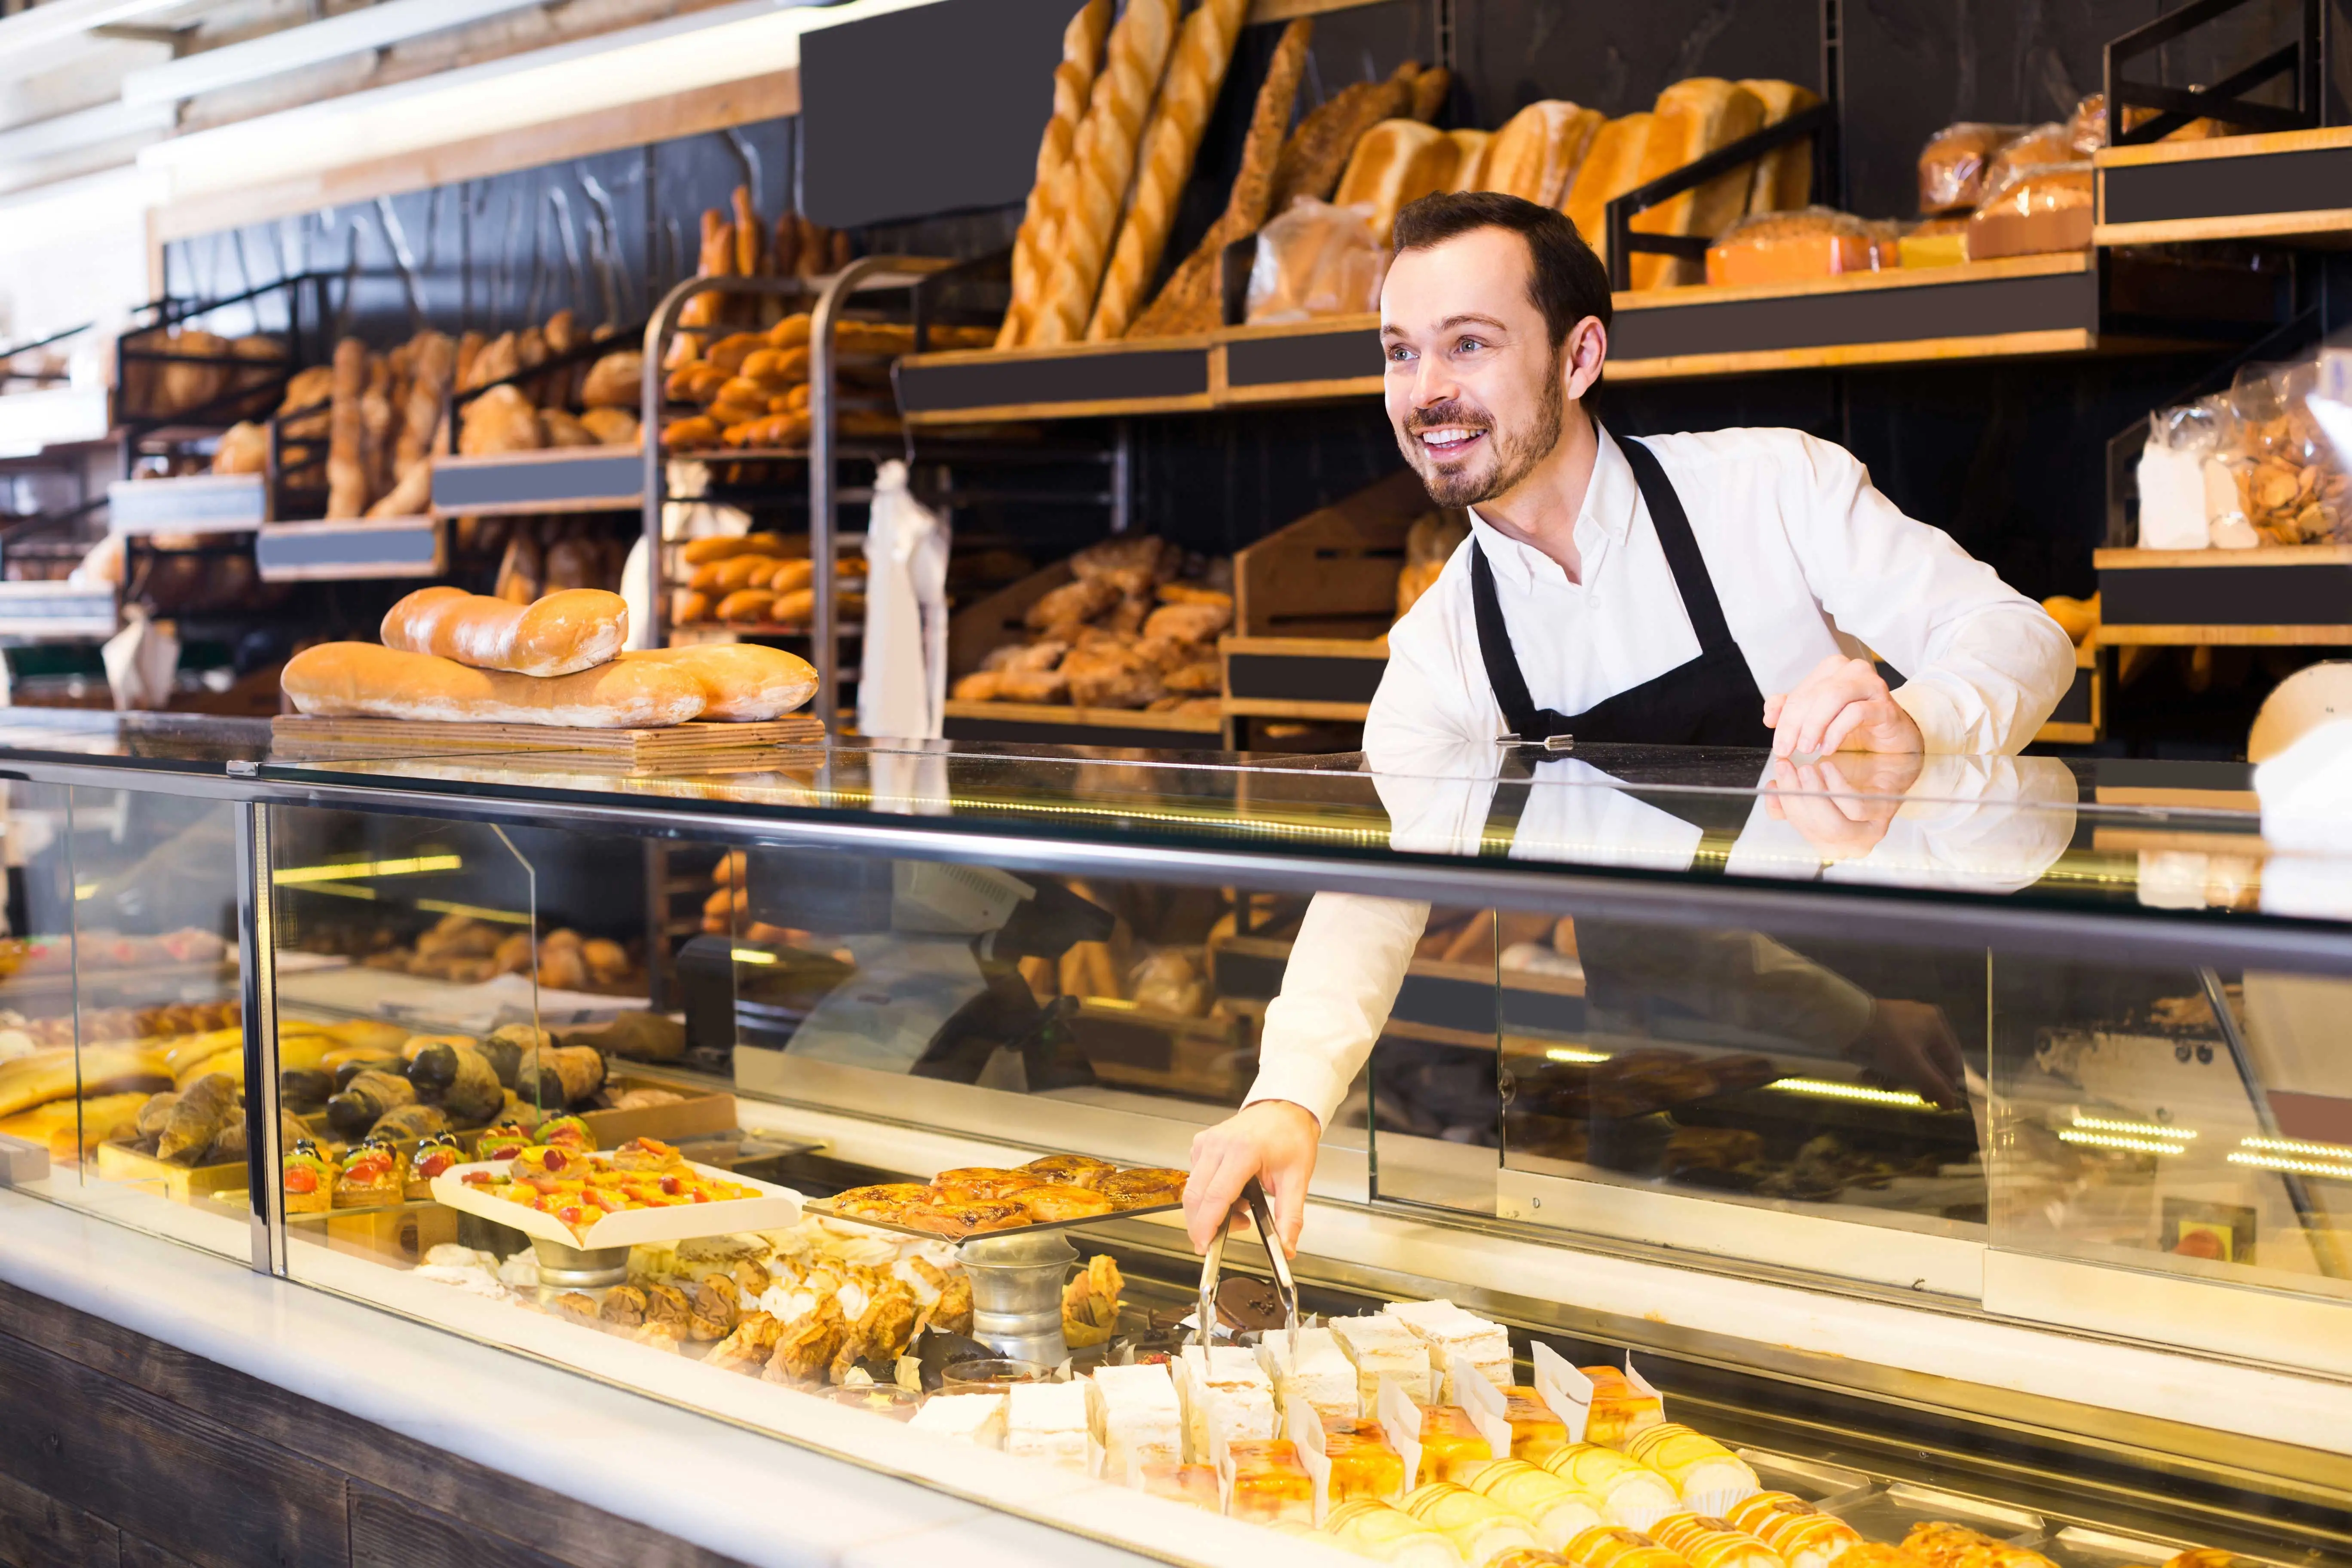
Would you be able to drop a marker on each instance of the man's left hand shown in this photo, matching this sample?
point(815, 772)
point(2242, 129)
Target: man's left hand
point(1843, 705)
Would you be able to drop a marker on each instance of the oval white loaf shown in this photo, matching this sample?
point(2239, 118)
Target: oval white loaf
point(565, 632)
point(359, 680)
point(741, 682)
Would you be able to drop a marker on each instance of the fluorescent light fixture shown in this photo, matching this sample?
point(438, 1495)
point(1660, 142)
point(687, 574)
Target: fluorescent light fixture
point(46, 24)
point(2297, 1146)
point(83, 127)
point(2137, 1128)
point(310, 44)
point(1827, 1089)
point(2115, 1140)
point(2300, 1167)
point(678, 54)
point(347, 870)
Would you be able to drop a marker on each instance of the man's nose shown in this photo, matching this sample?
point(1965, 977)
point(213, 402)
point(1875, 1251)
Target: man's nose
point(1433, 382)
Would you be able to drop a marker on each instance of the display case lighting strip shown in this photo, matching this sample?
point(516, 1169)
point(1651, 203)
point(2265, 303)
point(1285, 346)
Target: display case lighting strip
point(2116, 1140)
point(2281, 1162)
point(1828, 1089)
point(2297, 1146)
point(347, 870)
point(1573, 1054)
point(2137, 1128)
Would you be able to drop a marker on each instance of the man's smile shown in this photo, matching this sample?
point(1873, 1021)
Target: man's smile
point(1448, 440)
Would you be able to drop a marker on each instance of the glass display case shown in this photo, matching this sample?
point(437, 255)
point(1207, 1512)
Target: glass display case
point(1965, 1141)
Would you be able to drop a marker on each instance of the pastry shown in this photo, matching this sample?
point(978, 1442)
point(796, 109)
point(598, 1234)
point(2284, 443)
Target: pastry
point(1268, 1483)
point(1243, 1401)
point(718, 1304)
point(578, 1307)
point(1620, 1410)
point(1536, 1433)
point(1049, 1203)
point(1143, 1188)
point(1941, 1545)
point(1090, 1303)
point(1371, 1528)
point(1193, 1485)
point(1803, 1535)
point(1557, 1511)
point(457, 1078)
point(1480, 1529)
point(1364, 1463)
point(747, 1348)
point(1070, 1170)
point(1449, 1333)
point(1322, 1375)
point(890, 1201)
point(623, 1307)
point(1709, 1477)
point(1614, 1546)
point(974, 1418)
point(1133, 1412)
point(435, 1153)
point(976, 1181)
point(1708, 1542)
point(1632, 1495)
point(967, 1218)
point(1048, 1421)
point(502, 1141)
point(566, 1132)
point(1452, 1446)
point(1380, 1346)
point(309, 1179)
point(195, 1118)
point(373, 1174)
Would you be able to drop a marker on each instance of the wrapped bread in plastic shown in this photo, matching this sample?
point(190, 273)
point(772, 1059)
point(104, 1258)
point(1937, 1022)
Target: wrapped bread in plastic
point(1953, 164)
point(1316, 259)
point(1790, 248)
point(1559, 1512)
point(2050, 144)
point(1709, 1477)
point(2042, 209)
point(1936, 242)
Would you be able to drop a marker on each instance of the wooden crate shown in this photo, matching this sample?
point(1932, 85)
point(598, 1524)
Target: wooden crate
point(1312, 603)
point(676, 744)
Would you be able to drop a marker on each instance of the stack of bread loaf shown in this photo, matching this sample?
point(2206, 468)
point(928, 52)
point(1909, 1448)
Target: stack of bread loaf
point(1131, 628)
point(200, 369)
point(761, 579)
point(754, 391)
point(449, 656)
point(380, 414)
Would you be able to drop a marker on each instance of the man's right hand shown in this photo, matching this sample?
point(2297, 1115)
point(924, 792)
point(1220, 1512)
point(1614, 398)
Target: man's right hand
point(1273, 1140)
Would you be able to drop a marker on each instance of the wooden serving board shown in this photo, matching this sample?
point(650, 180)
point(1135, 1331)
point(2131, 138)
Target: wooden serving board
point(687, 742)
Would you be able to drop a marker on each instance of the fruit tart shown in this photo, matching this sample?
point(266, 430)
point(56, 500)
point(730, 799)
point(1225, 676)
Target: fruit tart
point(375, 1174)
point(310, 1178)
point(435, 1155)
point(503, 1141)
point(648, 1155)
point(567, 1132)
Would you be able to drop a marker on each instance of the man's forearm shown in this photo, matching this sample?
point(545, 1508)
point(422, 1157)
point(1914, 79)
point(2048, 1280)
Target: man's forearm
point(1345, 967)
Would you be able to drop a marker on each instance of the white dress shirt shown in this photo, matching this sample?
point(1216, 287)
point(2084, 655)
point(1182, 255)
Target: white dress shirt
point(1808, 560)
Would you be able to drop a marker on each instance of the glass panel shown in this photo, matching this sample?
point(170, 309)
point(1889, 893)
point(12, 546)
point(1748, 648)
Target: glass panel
point(153, 990)
point(409, 961)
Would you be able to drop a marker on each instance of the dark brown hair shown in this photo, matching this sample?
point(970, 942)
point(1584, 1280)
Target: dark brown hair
point(1565, 281)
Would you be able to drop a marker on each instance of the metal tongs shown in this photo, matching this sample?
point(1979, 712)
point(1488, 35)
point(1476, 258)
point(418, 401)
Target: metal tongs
point(1204, 1322)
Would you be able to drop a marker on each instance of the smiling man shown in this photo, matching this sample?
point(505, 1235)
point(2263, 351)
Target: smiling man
point(1722, 589)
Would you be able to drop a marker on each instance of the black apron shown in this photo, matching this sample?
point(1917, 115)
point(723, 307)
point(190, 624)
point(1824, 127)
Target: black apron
point(1712, 700)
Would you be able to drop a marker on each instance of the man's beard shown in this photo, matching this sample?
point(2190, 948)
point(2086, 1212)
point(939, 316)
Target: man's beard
point(1516, 453)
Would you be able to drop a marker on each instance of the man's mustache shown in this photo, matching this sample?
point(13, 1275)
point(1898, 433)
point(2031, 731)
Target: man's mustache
point(1439, 415)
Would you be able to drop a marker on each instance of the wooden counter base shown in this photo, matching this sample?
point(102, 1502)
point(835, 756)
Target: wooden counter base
point(119, 1451)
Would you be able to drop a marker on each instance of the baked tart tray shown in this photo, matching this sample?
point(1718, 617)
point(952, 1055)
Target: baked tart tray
point(769, 1208)
point(824, 1208)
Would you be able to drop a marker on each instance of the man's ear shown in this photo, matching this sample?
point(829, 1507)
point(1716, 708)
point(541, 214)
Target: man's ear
point(1587, 349)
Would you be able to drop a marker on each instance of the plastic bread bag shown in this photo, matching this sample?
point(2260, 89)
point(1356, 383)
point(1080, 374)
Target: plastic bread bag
point(2291, 485)
point(2040, 208)
point(1316, 259)
point(2050, 144)
point(2181, 441)
point(1952, 165)
point(1790, 248)
point(2086, 128)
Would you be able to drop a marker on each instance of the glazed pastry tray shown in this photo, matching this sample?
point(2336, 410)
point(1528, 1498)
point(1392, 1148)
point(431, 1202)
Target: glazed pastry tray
point(823, 1208)
point(774, 1208)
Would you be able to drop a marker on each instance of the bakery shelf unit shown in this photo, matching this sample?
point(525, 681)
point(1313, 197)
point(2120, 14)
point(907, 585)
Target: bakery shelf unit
point(548, 479)
point(2284, 180)
point(2279, 597)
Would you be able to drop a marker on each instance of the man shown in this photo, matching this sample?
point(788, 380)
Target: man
point(1717, 589)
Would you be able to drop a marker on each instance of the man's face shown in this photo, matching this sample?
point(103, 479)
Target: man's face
point(1474, 386)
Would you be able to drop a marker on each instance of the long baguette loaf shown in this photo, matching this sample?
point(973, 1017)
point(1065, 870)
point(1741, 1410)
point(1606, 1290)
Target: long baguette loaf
point(1093, 185)
point(432, 363)
point(1784, 176)
point(1194, 77)
point(561, 633)
point(1189, 302)
point(62, 1073)
point(741, 682)
point(1074, 80)
point(361, 680)
point(1694, 117)
point(347, 480)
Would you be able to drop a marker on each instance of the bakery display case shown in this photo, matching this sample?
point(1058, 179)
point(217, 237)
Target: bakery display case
point(1937, 1163)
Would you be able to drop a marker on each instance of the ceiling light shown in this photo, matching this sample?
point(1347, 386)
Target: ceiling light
point(312, 44)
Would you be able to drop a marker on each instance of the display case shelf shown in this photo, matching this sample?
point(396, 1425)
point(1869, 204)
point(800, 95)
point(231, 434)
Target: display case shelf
point(522, 484)
point(192, 503)
point(357, 549)
point(2288, 596)
point(56, 612)
point(2289, 186)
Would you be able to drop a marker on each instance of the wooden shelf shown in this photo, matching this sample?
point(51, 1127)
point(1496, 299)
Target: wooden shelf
point(522, 484)
point(2289, 596)
point(358, 549)
point(2294, 185)
point(2080, 715)
point(1302, 677)
point(1047, 724)
point(2024, 307)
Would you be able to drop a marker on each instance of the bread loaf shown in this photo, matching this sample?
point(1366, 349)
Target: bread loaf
point(411, 497)
point(1316, 153)
point(1195, 75)
point(1074, 80)
point(1694, 117)
point(1536, 155)
point(1470, 152)
point(1192, 299)
point(741, 682)
point(1611, 167)
point(1396, 161)
point(347, 484)
point(615, 381)
point(357, 680)
point(559, 634)
point(1429, 90)
point(1092, 187)
point(1783, 180)
point(433, 369)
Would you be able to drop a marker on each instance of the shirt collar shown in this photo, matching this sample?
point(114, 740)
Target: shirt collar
point(1608, 512)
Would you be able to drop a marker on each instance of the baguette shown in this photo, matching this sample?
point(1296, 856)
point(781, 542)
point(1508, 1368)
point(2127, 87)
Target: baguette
point(559, 635)
point(1536, 155)
point(432, 368)
point(61, 1072)
point(410, 496)
point(1093, 185)
point(749, 231)
point(1195, 75)
point(1192, 301)
point(741, 682)
point(1398, 160)
point(347, 484)
point(361, 680)
point(1470, 153)
point(1784, 176)
point(1693, 118)
point(1611, 167)
point(1074, 80)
